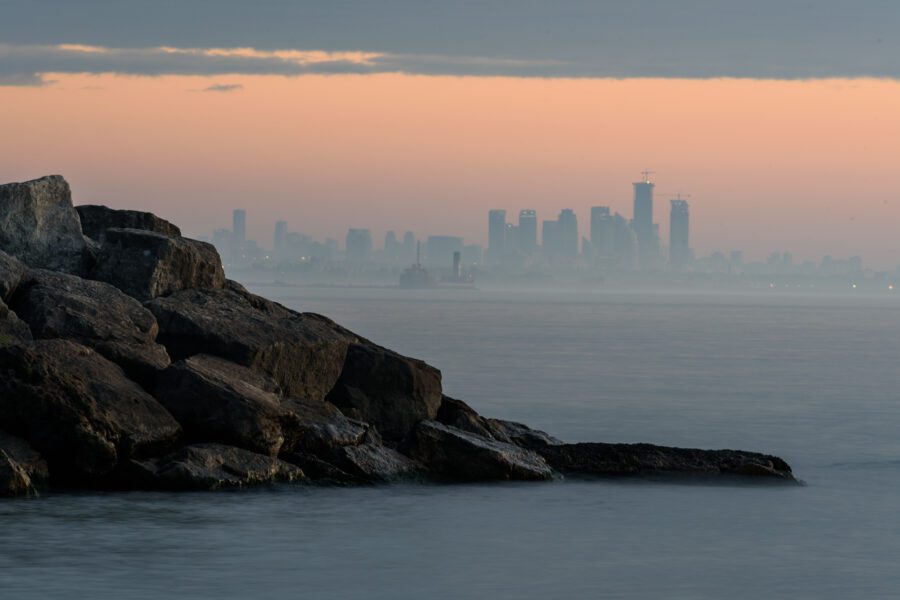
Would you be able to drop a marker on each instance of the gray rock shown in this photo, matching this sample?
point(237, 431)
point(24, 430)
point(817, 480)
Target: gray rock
point(22, 470)
point(317, 426)
point(390, 391)
point(211, 467)
point(374, 463)
point(520, 435)
point(145, 264)
point(463, 456)
point(11, 272)
point(96, 219)
point(40, 227)
point(93, 313)
point(78, 409)
point(12, 328)
point(303, 353)
point(649, 460)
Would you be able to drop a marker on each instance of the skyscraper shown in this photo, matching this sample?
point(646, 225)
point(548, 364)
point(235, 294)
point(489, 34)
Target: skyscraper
point(359, 245)
point(679, 234)
point(281, 232)
point(643, 220)
point(527, 231)
point(550, 239)
point(496, 234)
point(602, 241)
point(568, 233)
point(239, 225)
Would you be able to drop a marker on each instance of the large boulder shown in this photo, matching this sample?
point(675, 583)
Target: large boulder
point(11, 272)
point(390, 391)
point(592, 458)
point(79, 409)
point(374, 463)
point(462, 416)
point(146, 264)
point(463, 456)
point(303, 353)
point(22, 470)
point(93, 313)
point(211, 467)
point(96, 219)
point(39, 225)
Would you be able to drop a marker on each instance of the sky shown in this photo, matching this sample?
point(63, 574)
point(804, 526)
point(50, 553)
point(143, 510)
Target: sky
point(778, 121)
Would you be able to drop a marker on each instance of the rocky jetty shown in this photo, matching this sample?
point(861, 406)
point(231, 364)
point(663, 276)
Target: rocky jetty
point(129, 361)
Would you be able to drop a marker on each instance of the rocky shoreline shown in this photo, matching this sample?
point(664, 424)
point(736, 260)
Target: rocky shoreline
point(129, 361)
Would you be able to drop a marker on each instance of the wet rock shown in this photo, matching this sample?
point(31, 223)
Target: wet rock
point(93, 313)
point(11, 272)
point(211, 467)
point(303, 353)
point(22, 470)
point(649, 460)
point(390, 391)
point(40, 227)
point(464, 456)
point(145, 264)
point(79, 409)
point(96, 219)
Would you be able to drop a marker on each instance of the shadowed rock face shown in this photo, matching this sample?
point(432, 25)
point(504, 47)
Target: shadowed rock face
point(96, 219)
point(12, 328)
point(78, 409)
point(11, 272)
point(145, 264)
point(457, 413)
point(303, 353)
point(648, 460)
point(96, 314)
point(464, 456)
point(22, 470)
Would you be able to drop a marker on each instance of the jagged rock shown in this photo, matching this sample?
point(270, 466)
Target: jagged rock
point(317, 426)
point(457, 413)
point(464, 456)
point(11, 272)
point(39, 225)
point(12, 328)
point(145, 264)
point(93, 313)
point(303, 353)
point(520, 435)
point(320, 470)
point(374, 463)
point(390, 391)
point(96, 219)
point(78, 409)
point(650, 460)
point(211, 467)
point(22, 470)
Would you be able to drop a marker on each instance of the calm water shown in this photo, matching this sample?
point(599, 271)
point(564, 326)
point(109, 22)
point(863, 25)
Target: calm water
point(813, 379)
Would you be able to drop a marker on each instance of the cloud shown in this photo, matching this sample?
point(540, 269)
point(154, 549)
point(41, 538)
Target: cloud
point(224, 87)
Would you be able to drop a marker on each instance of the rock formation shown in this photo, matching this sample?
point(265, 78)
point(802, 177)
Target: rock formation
point(129, 361)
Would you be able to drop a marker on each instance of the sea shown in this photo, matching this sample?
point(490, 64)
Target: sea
point(811, 377)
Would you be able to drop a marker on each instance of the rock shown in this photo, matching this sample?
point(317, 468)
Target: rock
point(78, 409)
point(96, 219)
point(303, 353)
point(96, 314)
point(390, 391)
point(317, 426)
point(211, 467)
point(12, 328)
point(11, 272)
point(320, 470)
point(520, 435)
point(39, 225)
point(22, 470)
point(650, 460)
point(373, 463)
point(145, 264)
point(464, 456)
point(457, 413)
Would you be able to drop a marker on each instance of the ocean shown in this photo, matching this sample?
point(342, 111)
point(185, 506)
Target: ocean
point(813, 378)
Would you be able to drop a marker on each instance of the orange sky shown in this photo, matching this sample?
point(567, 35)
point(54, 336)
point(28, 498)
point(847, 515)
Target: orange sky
point(805, 166)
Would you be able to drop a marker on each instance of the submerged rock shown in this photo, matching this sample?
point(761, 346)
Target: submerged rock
point(211, 467)
point(79, 409)
point(40, 227)
point(93, 313)
point(22, 470)
point(464, 456)
point(96, 219)
point(594, 458)
point(145, 264)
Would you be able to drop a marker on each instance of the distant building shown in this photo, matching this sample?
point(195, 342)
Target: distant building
point(392, 246)
point(551, 241)
point(642, 222)
point(409, 247)
point(280, 239)
point(239, 226)
point(439, 249)
point(496, 234)
point(472, 255)
point(568, 233)
point(602, 239)
point(679, 234)
point(624, 243)
point(359, 245)
point(527, 233)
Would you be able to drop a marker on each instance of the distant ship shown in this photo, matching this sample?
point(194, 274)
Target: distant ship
point(416, 276)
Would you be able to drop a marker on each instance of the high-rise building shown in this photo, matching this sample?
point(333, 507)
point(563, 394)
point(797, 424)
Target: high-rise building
point(550, 239)
point(642, 221)
point(239, 225)
point(679, 234)
point(281, 232)
point(527, 234)
point(391, 246)
point(568, 233)
point(359, 245)
point(496, 234)
point(602, 241)
point(624, 243)
point(409, 246)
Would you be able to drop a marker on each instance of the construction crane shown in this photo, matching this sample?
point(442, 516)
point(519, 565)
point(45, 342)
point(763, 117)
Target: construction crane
point(646, 175)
